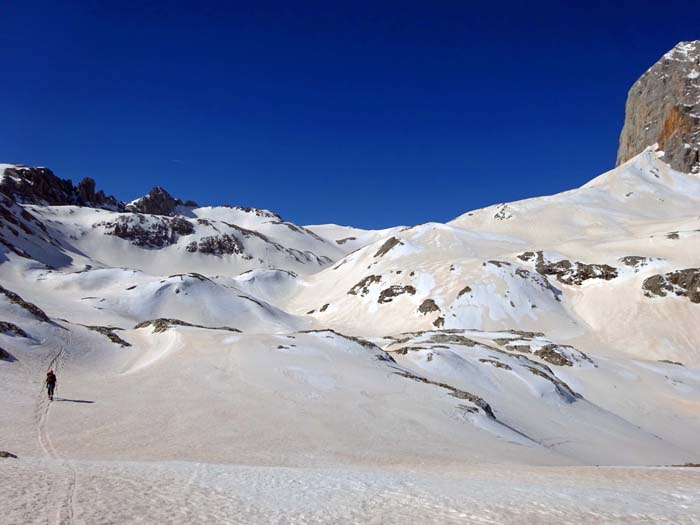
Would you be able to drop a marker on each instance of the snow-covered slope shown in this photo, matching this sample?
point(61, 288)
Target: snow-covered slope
point(597, 265)
point(161, 244)
point(560, 330)
point(641, 196)
point(350, 239)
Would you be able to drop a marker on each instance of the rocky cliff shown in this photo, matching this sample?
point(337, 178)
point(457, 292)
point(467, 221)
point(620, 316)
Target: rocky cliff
point(663, 107)
point(41, 186)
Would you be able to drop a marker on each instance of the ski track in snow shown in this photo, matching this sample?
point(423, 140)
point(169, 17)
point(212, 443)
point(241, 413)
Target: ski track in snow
point(65, 509)
point(189, 489)
point(130, 492)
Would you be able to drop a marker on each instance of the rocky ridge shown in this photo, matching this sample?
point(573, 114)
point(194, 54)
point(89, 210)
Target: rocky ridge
point(40, 186)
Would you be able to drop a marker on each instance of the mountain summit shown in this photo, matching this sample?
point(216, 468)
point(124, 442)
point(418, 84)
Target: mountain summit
point(158, 202)
point(663, 107)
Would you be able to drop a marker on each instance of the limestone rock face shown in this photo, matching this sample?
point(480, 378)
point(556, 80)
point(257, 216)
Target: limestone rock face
point(663, 107)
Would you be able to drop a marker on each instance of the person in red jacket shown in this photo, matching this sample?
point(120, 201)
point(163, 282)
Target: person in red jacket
point(50, 383)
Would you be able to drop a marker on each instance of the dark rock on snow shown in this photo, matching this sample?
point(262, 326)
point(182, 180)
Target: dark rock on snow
point(33, 309)
point(6, 356)
point(155, 202)
point(11, 329)
point(148, 232)
point(568, 272)
point(41, 186)
point(682, 283)
point(217, 245)
point(387, 246)
point(387, 295)
point(162, 324)
point(108, 331)
point(362, 287)
point(428, 306)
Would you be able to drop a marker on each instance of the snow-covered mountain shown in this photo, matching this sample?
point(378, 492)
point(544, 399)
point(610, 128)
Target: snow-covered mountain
point(559, 331)
point(607, 263)
point(575, 310)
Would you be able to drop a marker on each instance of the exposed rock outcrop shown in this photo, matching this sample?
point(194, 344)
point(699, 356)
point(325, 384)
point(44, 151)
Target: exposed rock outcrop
point(635, 261)
point(464, 290)
point(346, 239)
point(12, 329)
point(454, 392)
point(155, 202)
point(439, 322)
point(162, 324)
point(551, 354)
point(380, 354)
point(564, 390)
point(569, 272)
point(663, 107)
point(683, 283)
point(216, 245)
point(109, 332)
point(495, 363)
point(258, 212)
point(33, 309)
point(387, 295)
point(362, 287)
point(428, 306)
point(148, 232)
point(6, 356)
point(41, 186)
point(87, 196)
point(387, 246)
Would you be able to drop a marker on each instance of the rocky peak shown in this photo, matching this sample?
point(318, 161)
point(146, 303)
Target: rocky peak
point(87, 195)
point(663, 107)
point(41, 186)
point(158, 202)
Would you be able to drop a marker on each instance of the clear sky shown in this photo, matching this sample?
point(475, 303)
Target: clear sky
point(364, 113)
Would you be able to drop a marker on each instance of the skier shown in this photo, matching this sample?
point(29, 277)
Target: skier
point(50, 383)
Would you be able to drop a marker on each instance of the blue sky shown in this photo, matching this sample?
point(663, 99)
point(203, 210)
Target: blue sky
point(364, 113)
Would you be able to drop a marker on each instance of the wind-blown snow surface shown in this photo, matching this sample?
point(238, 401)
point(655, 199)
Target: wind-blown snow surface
point(533, 361)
